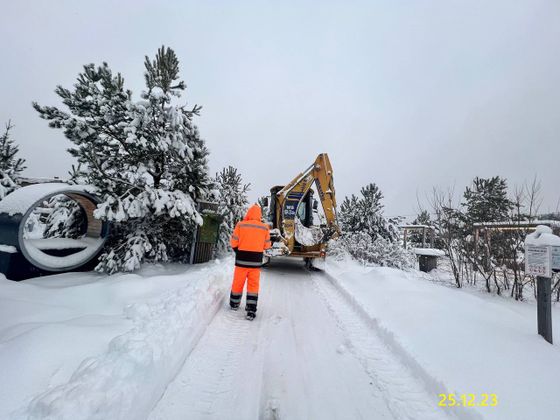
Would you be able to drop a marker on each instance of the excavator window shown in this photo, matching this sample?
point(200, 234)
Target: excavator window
point(302, 212)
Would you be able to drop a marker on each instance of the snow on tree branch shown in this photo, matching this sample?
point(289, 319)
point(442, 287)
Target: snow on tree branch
point(11, 166)
point(145, 157)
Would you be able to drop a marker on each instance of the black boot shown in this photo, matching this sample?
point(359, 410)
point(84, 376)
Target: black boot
point(250, 315)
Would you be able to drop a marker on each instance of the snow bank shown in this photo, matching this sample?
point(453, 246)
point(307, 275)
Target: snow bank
point(8, 248)
point(461, 342)
point(59, 243)
point(35, 247)
point(19, 201)
point(542, 236)
point(109, 347)
point(429, 252)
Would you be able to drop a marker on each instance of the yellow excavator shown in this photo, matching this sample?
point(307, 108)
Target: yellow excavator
point(292, 213)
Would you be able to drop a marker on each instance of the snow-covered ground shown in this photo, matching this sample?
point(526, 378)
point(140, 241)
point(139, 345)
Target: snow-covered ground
point(351, 342)
point(87, 346)
point(308, 355)
point(461, 341)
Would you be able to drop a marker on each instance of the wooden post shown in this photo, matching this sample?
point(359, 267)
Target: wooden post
point(404, 237)
point(476, 242)
point(487, 262)
point(423, 237)
point(432, 236)
point(544, 311)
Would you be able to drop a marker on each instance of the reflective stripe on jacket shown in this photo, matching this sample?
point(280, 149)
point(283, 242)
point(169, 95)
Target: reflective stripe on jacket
point(250, 238)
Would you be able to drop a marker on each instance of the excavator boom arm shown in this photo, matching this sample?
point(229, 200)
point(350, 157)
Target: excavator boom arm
point(289, 198)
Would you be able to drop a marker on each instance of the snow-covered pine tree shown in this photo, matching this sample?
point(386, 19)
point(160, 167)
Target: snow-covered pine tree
point(367, 235)
point(232, 193)
point(365, 214)
point(415, 238)
point(96, 122)
point(423, 218)
point(146, 159)
point(349, 216)
point(11, 166)
point(487, 200)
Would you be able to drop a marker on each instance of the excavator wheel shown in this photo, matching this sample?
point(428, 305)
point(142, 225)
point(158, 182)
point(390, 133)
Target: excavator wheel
point(309, 264)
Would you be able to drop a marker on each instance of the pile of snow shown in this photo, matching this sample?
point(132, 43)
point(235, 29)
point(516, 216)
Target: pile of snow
point(429, 252)
point(59, 243)
point(35, 247)
point(103, 347)
point(21, 200)
point(542, 236)
point(8, 248)
point(460, 342)
point(308, 236)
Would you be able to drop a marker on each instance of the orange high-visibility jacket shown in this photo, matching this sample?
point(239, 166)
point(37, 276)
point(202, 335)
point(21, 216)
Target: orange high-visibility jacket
point(250, 238)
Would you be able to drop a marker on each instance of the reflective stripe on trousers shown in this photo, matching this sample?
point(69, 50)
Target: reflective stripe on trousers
point(251, 304)
point(235, 299)
point(243, 275)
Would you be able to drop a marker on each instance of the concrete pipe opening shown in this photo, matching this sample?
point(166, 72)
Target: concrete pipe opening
point(56, 229)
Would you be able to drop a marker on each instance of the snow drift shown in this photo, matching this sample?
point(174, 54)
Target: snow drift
point(128, 378)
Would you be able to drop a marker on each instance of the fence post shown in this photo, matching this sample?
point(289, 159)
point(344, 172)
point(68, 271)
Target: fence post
point(544, 308)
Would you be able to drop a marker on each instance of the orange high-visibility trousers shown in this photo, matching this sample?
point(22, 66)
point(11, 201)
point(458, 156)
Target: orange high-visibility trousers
point(252, 277)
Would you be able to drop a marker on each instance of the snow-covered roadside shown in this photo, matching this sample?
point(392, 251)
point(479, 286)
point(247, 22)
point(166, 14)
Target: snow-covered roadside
point(82, 345)
point(467, 343)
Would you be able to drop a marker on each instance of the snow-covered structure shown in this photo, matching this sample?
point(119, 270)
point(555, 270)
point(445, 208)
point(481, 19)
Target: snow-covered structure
point(22, 256)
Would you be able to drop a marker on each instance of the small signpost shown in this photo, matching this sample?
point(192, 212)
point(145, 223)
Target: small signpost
point(542, 256)
point(538, 261)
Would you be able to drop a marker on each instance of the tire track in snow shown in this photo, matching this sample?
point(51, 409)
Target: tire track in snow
point(289, 362)
point(405, 394)
point(281, 350)
point(205, 386)
point(304, 376)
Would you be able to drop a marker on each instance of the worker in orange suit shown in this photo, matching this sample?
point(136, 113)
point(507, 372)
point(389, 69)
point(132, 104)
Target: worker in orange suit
point(249, 240)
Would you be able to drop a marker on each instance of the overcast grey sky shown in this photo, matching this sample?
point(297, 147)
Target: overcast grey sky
point(407, 94)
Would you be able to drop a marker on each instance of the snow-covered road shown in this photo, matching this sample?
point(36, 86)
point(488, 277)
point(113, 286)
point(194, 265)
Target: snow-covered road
point(309, 354)
point(350, 342)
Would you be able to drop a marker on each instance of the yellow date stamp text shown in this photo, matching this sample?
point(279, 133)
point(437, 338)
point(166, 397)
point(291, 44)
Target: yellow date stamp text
point(468, 400)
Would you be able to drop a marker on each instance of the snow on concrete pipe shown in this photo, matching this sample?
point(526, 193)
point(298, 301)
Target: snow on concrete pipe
point(24, 253)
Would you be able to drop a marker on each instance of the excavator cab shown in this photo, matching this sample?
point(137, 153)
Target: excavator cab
point(304, 211)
